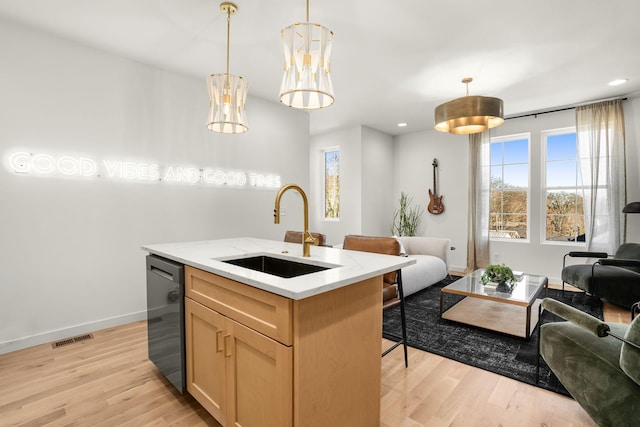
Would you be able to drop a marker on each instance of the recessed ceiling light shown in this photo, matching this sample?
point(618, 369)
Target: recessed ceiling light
point(617, 82)
point(401, 125)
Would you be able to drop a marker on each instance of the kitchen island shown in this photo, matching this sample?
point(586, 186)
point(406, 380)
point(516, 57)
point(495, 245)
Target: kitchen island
point(265, 350)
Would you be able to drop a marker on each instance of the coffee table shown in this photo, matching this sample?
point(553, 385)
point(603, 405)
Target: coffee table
point(507, 312)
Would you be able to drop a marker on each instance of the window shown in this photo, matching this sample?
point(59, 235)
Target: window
point(564, 217)
point(332, 184)
point(509, 187)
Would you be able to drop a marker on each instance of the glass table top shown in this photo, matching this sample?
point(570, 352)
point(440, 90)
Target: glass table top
point(524, 291)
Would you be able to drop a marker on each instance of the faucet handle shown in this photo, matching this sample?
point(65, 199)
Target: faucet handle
point(308, 238)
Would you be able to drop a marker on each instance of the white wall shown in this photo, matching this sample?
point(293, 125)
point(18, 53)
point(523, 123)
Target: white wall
point(349, 141)
point(412, 169)
point(70, 256)
point(377, 182)
point(366, 183)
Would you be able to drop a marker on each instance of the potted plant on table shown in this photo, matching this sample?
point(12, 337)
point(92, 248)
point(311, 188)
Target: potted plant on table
point(498, 276)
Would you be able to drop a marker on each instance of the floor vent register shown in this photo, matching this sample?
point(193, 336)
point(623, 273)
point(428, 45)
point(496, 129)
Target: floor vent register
point(72, 340)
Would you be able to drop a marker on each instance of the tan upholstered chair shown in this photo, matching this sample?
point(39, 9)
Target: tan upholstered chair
point(392, 293)
point(296, 237)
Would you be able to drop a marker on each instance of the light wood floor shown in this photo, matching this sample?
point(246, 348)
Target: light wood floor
point(108, 381)
point(105, 381)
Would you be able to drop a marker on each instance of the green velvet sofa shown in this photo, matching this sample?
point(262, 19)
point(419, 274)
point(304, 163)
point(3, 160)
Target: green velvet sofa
point(597, 362)
point(615, 279)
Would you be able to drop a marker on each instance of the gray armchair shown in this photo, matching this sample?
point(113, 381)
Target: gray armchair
point(597, 362)
point(616, 279)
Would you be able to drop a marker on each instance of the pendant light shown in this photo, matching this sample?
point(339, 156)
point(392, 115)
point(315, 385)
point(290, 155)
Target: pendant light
point(633, 207)
point(227, 93)
point(469, 114)
point(307, 53)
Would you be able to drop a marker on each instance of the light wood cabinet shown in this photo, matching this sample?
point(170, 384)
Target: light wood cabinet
point(261, 385)
point(263, 311)
point(259, 359)
point(206, 364)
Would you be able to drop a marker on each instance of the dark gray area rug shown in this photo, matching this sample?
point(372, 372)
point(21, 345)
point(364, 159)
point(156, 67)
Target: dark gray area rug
point(499, 353)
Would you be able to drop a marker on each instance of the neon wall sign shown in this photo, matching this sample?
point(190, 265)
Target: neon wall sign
point(43, 164)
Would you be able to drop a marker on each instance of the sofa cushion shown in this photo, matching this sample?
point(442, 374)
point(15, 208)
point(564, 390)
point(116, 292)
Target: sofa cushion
point(617, 285)
point(629, 355)
point(578, 275)
point(403, 251)
point(415, 245)
point(432, 261)
point(427, 271)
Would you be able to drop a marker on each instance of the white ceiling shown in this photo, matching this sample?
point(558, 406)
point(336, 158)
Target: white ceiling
point(393, 61)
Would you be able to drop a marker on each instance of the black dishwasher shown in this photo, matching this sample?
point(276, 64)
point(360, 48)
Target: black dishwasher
point(165, 318)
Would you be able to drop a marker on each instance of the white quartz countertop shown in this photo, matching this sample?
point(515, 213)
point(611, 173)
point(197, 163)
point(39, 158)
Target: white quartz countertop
point(347, 267)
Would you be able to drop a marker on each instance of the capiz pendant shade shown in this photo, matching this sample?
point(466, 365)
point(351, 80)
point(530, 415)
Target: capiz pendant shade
point(307, 54)
point(227, 97)
point(227, 92)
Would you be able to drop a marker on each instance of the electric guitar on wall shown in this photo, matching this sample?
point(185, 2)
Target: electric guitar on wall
point(435, 202)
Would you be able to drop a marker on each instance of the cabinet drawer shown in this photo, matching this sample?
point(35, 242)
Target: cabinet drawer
point(260, 310)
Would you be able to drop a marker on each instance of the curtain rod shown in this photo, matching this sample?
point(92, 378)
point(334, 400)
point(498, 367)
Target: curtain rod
point(565, 108)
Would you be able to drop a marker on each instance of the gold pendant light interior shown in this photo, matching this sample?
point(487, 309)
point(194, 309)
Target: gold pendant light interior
point(469, 114)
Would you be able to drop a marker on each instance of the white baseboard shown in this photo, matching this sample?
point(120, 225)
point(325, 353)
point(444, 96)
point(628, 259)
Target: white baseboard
point(554, 281)
point(457, 269)
point(72, 331)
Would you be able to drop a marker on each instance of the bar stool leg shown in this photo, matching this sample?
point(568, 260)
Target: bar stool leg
point(403, 319)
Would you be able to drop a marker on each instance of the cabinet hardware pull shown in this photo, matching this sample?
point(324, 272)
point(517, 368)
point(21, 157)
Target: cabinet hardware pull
point(218, 349)
point(225, 346)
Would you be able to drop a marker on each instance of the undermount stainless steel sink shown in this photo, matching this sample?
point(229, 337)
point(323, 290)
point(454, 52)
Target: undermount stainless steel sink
point(276, 266)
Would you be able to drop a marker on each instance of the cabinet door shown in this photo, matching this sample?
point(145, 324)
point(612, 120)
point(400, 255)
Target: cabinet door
point(260, 373)
point(206, 372)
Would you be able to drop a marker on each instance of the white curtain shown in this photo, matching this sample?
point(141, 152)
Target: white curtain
point(478, 225)
point(601, 147)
